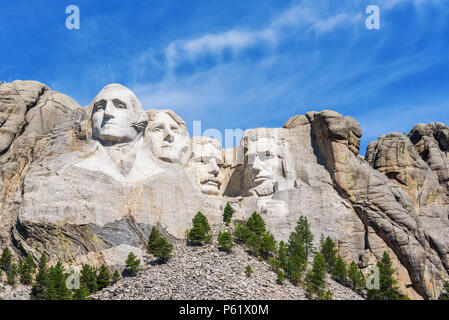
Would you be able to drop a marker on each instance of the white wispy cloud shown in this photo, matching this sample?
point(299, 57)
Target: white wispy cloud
point(281, 83)
point(297, 16)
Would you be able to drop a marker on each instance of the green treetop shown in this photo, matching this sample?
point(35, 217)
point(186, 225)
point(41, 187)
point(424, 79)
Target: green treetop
point(228, 213)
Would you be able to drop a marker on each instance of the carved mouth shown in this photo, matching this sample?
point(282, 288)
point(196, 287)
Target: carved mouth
point(211, 182)
point(261, 179)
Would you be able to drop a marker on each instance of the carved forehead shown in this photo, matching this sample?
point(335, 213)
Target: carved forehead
point(264, 145)
point(163, 118)
point(204, 146)
point(153, 113)
point(262, 140)
point(118, 91)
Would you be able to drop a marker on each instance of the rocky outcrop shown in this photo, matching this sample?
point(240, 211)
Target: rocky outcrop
point(31, 116)
point(423, 217)
point(70, 190)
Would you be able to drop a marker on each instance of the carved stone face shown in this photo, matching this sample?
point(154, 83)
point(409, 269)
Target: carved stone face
point(265, 165)
point(205, 164)
point(115, 114)
point(168, 139)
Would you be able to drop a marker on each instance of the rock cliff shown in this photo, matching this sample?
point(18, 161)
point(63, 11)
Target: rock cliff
point(87, 184)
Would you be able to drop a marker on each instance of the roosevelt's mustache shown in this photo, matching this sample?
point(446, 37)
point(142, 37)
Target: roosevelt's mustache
point(210, 179)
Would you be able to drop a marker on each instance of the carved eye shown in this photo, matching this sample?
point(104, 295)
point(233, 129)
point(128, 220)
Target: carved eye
point(119, 104)
point(205, 160)
point(98, 106)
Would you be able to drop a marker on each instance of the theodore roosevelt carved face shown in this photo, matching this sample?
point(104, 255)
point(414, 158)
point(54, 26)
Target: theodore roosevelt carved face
point(117, 115)
point(205, 162)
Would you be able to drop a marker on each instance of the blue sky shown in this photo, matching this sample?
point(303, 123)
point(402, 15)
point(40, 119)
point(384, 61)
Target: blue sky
point(242, 64)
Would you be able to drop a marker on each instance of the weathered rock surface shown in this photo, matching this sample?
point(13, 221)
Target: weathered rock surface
point(80, 199)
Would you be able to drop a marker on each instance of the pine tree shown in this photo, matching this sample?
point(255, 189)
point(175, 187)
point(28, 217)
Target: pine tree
point(256, 224)
point(249, 271)
point(42, 281)
point(104, 277)
point(340, 271)
point(281, 277)
point(89, 278)
point(162, 249)
point(275, 264)
point(324, 295)
point(296, 264)
point(115, 276)
point(82, 293)
point(315, 278)
point(132, 265)
point(267, 245)
point(241, 232)
point(6, 260)
point(228, 213)
point(355, 277)
point(58, 289)
point(253, 243)
point(200, 230)
point(26, 270)
point(11, 274)
point(329, 253)
point(297, 258)
point(296, 241)
point(387, 290)
point(154, 235)
point(225, 241)
point(304, 235)
point(282, 255)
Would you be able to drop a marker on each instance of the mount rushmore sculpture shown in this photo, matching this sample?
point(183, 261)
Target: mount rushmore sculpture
point(87, 184)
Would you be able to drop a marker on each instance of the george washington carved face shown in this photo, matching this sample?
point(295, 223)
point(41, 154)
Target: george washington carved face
point(117, 115)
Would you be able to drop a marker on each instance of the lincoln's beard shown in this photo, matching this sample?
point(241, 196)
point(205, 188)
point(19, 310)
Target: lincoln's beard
point(264, 189)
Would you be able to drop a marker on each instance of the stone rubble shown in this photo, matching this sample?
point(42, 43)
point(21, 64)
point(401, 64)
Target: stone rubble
point(205, 273)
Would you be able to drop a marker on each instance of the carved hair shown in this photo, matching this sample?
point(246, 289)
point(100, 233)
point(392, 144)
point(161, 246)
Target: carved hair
point(154, 112)
point(142, 120)
point(254, 135)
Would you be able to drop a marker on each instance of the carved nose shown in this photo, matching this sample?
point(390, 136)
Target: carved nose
point(169, 137)
point(213, 167)
point(257, 165)
point(109, 110)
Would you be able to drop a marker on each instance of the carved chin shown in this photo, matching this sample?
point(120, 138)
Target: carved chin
point(111, 135)
point(264, 189)
point(169, 154)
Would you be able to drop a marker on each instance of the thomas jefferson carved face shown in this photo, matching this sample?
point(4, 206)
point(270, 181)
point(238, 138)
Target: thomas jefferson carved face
point(265, 163)
point(168, 136)
point(205, 163)
point(117, 115)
